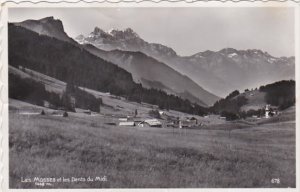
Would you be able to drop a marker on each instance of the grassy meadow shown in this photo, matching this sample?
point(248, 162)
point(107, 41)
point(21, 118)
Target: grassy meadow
point(222, 155)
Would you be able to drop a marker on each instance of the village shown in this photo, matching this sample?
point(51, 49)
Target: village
point(163, 121)
point(148, 117)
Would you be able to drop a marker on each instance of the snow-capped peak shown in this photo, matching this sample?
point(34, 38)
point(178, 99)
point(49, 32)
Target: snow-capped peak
point(111, 30)
point(97, 31)
point(127, 33)
point(232, 55)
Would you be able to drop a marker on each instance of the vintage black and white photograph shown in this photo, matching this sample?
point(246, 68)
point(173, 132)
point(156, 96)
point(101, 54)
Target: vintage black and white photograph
point(151, 97)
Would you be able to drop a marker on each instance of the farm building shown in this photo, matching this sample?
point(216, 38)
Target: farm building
point(189, 122)
point(140, 122)
point(182, 123)
point(153, 123)
point(270, 111)
point(150, 123)
point(193, 121)
point(126, 123)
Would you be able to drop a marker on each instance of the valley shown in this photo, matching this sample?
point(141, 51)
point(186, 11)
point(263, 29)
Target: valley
point(133, 114)
point(94, 144)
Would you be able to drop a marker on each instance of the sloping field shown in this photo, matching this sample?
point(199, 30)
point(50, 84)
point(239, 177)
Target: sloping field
point(83, 145)
point(256, 100)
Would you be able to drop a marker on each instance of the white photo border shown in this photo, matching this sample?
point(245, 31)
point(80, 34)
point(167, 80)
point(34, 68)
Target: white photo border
point(4, 148)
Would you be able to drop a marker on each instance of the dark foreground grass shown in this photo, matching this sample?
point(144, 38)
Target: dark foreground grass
point(46, 146)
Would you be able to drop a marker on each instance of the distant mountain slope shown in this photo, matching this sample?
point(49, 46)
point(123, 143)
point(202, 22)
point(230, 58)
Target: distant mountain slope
point(69, 63)
point(218, 72)
point(154, 74)
point(47, 26)
point(245, 68)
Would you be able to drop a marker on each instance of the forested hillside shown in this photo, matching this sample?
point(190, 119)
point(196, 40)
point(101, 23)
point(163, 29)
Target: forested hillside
point(281, 94)
point(230, 106)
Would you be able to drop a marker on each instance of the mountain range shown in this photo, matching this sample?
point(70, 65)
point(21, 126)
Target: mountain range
point(199, 77)
point(219, 72)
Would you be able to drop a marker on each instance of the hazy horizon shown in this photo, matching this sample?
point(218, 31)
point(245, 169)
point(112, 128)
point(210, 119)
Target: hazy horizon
point(186, 30)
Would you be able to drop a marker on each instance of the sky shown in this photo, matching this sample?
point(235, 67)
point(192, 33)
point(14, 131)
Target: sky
point(186, 30)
